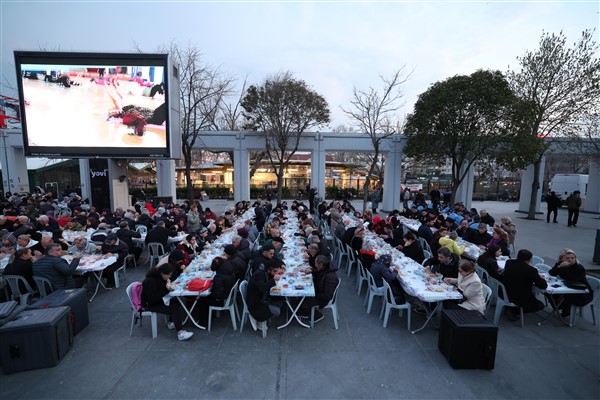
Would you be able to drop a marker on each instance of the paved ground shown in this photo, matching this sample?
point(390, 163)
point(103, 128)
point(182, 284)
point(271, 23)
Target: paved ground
point(359, 360)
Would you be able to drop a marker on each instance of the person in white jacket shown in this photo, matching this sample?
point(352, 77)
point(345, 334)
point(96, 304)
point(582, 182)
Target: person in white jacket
point(469, 285)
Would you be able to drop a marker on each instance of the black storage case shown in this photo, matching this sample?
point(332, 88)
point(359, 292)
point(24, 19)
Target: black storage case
point(36, 339)
point(74, 298)
point(467, 339)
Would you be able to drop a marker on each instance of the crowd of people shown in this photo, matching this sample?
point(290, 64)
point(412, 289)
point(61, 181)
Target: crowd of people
point(32, 226)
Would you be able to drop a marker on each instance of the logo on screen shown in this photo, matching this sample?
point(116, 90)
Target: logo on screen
point(96, 174)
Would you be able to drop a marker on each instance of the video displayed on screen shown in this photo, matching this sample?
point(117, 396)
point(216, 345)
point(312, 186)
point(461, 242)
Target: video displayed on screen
point(94, 106)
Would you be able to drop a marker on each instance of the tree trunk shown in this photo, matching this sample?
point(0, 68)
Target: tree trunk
point(188, 180)
point(535, 185)
point(453, 194)
point(280, 183)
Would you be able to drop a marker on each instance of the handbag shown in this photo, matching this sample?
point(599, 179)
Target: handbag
point(199, 285)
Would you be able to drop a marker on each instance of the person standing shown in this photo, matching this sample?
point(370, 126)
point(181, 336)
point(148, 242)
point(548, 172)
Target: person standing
point(375, 199)
point(553, 203)
point(573, 204)
point(406, 197)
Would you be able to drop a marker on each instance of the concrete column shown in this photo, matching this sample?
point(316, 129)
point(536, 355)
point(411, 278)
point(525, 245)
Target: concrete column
point(526, 182)
point(119, 188)
point(392, 176)
point(14, 167)
point(165, 178)
point(241, 171)
point(85, 178)
point(317, 168)
point(592, 199)
point(464, 193)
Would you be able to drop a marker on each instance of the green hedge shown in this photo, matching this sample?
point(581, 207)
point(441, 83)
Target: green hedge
point(257, 192)
point(331, 191)
point(181, 192)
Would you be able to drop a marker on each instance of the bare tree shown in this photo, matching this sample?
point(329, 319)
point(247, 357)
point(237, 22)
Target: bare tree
point(373, 113)
point(562, 84)
point(202, 90)
point(283, 108)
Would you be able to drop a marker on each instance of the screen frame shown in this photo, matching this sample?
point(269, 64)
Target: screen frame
point(83, 59)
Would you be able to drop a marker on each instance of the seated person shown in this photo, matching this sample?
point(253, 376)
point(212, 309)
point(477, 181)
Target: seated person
point(82, 246)
point(519, 278)
point(160, 234)
point(57, 237)
point(266, 256)
point(488, 262)
point(156, 285)
point(500, 239)
point(22, 264)
point(237, 261)
point(569, 269)
point(178, 258)
point(381, 270)
point(469, 285)
point(126, 234)
point(261, 305)
point(189, 246)
point(425, 231)
point(113, 246)
point(412, 248)
point(445, 263)
point(73, 225)
point(25, 241)
point(223, 281)
point(46, 224)
point(435, 239)
point(241, 243)
point(367, 255)
point(99, 235)
point(311, 254)
point(480, 237)
point(325, 280)
point(450, 243)
point(463, 230)
point(56, 269)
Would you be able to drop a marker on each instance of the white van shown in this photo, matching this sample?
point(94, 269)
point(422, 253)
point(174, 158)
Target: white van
point(565, 184)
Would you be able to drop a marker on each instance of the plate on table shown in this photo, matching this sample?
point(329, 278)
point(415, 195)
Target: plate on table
point(435, 288)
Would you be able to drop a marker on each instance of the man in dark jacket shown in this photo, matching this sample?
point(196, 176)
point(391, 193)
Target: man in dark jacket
point(519, 278)
point(446, 263)
point(479, 237)
point(325, 280)
point(236, 260)
point(573, 205)
point(265, 256)
point(112, 245)
point(242, 246)
point(553, 203)
point(56, 269)
point(126, 235)
point(425, 231)
point(260, 304)
point(160, 234)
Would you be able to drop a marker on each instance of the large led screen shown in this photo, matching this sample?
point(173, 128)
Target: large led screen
point(94, 105)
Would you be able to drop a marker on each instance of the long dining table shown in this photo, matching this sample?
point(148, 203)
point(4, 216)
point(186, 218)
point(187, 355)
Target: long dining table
point(200, 268)
point(294, 283)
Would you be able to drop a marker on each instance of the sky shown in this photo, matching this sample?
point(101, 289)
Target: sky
point(333, 46)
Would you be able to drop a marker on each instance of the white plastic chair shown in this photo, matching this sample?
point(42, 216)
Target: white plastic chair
point(426, 254)
point(503, 301)
point(374, 291)
point(542, 267)
point(229, 305)
point(123, 269)
point(595, 284)
point(155, 252)
point(245, 312)
point(44, 286)
point(487, 295)
point(361, 277)
point(537, 260)
point(331, 305)
point(341, 251)
point(14, 283)
point(351, 259)
point(424, 245)
point(141, 229)
point(135, 315)
point(390, 304)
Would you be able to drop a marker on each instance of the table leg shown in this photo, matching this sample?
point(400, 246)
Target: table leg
point(98, 283)
point(430, 315)
point(555, 310)
point(189, 312)
point(294, 314)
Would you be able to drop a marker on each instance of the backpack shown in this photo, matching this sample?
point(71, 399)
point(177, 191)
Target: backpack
point(136, 296)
